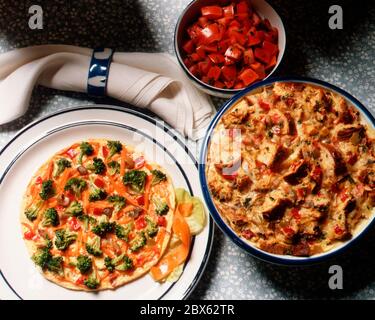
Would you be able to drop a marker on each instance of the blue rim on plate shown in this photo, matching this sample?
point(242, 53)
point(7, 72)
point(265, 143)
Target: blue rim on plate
point(166, 128)
point(200, 83)
point(263, 255)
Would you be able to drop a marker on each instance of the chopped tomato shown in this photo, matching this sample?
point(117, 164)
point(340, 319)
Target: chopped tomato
point(39, 180)
point(262, 55)
point(140, 223)
point(162, 222)
point(60, 208)
point(344, 196)
point(98, 211)
point(264, 105)
point(270, 47)
point(139, 162)
point(211, 33)
point(29, 235)
point(99, 183)
point(253, 41)
point(229, 72)
point(74, 224)
point(70, 196)
point(248, 76)
point(248, 56)
point(234, 53)
point(189, 46)
point(243, 7)
point(216, 58)
point(214, 73)
point(212, 12)
point(229, 10)
point(203, 21)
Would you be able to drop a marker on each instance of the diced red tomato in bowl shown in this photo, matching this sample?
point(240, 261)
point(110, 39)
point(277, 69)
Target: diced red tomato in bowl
point(230, 46)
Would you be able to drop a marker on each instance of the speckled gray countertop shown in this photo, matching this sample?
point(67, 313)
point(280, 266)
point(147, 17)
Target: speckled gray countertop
point(345, 58)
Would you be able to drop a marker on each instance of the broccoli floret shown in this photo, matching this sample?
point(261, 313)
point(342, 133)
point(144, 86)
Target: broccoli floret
point(86, 219)
point(113, 168)
point(86, 150)
point(55, 264)
point(32, 212)
point(119, 202)
point(138, 242)
point(97, 166)
point(41, 257)
point(161, 206)
point(109, 264)
point(126, 265)
point(91, 282)
point(93, 246)
point(152, 228)
point(76, 186)
point(157, 176)
point(122, 232)
point(136, 179)
point(114, 147)
point(75, 209)
point(60, 165)
point(64, 238)
point(45, 260)
point(48, 190)
point(84, 264)
point(97, 195)
point(103, 228)
point(51, 218)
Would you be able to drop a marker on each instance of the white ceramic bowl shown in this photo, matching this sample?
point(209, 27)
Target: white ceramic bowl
point(192, 12)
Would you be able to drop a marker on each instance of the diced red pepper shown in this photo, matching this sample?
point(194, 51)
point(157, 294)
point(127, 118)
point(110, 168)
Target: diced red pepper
point(81, 280)
point(162, 222)
point(247, 234)
point(139, 162)
point(289, 231)
point(212, 12)
point(141, 200)
point(248, 76)
point(140, 223)
point(39, 180)
point(338, 230)
point(295, 213)
point(74, 224)
point(71, 153)
point(105, 151)
point(29, 235)
point(99, 183)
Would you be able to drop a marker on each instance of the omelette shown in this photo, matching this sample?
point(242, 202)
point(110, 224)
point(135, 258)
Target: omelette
point(97, 215)
point(291, 169)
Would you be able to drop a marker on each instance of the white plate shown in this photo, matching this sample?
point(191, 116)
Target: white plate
point(30, 148)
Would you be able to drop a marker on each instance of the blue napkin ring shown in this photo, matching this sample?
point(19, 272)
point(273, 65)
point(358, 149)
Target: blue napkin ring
point(98, 72)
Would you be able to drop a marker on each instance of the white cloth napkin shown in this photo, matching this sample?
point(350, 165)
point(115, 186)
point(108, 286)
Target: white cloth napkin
point(147, 80)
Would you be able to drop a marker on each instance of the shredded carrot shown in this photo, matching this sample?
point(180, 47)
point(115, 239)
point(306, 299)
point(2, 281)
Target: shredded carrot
point(48, 172)
point(63, 179)
point(147, 192)
point(27, 226)
point(85, 200)
point(76, 145)
point(177, 255)
point(121, 190)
